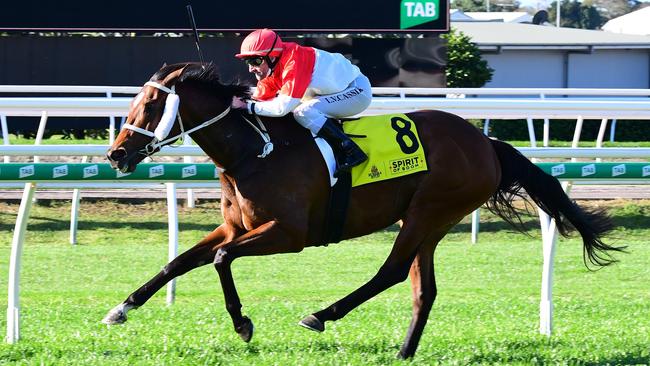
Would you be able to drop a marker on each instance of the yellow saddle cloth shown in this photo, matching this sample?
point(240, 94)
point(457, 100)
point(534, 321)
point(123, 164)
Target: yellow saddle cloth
point(392, 144)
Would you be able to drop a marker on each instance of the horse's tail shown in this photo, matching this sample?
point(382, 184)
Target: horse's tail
point(518, 172)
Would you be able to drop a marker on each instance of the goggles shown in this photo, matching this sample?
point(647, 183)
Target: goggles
point(254, 61)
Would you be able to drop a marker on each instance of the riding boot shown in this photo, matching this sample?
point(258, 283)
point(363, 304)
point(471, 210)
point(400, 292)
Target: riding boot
point(346, 152)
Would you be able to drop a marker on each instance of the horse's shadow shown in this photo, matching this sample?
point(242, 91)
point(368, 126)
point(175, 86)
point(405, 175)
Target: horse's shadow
point(531, 351)
point(384, 353)
point(537, 351)
point(531, 224)
point(51, 224)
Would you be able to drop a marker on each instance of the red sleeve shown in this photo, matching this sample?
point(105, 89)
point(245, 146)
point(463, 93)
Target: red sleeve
point(291, 76)
point(266, 89)
point(297, 72)
point(289, 82)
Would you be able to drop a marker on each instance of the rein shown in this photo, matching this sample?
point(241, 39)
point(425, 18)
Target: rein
point(157, 143)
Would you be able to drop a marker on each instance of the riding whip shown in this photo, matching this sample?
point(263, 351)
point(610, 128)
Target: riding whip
point(190, 14)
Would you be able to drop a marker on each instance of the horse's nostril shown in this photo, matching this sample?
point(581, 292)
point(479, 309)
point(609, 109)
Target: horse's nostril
point(116, 155)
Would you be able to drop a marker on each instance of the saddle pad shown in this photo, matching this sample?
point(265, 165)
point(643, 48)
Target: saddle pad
point(392, 144)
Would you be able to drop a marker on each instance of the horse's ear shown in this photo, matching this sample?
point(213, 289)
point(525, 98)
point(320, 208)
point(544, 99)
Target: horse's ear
point(164, 64)
point(182, 69)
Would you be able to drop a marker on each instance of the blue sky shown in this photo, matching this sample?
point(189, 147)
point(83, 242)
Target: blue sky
point(543, 4)
point(536, 4)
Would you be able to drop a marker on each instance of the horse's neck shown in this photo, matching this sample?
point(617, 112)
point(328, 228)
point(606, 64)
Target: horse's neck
point(233, 144)
point(228, 141)
point(286, 131)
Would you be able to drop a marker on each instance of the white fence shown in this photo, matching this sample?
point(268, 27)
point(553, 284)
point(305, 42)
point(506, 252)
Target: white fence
point(604, 104)
point(512, 108)
point(548, 103)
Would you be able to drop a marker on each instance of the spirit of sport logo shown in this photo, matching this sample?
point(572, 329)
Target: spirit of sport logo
point(416, 12)
point(404, 165)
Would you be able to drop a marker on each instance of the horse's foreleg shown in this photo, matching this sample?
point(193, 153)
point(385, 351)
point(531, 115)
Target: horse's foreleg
point(423, 285)
point(267, 239)
point(201, 254)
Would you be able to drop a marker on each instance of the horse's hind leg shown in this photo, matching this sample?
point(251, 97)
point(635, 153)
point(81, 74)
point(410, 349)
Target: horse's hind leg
point(394, 270)
point(202, 253)
point(423, 285)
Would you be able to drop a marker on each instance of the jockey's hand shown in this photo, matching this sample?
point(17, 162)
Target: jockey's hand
point(237, 103)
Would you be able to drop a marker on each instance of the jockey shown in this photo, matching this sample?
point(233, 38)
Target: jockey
point(315, 85)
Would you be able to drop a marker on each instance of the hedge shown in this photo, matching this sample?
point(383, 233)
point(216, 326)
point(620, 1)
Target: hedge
point(562, 130)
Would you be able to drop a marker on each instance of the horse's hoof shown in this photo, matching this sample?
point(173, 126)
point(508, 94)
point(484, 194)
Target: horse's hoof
point(114, 317)
point(246, 330)
point(312, 323)
point(401, 356)
point(405, 353)
point(117, 315)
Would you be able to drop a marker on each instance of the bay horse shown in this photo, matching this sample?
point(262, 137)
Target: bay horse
point(276, 203)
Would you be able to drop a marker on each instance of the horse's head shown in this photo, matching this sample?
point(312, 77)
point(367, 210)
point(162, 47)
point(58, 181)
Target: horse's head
point(154, 118)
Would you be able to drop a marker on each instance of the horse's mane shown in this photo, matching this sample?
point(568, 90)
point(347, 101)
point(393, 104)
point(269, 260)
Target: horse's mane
point(205, 76)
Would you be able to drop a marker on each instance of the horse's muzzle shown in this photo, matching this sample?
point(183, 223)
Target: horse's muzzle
point(119, 160)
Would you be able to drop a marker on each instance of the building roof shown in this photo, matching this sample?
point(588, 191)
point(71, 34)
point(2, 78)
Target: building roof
point(499, 35)
point(455, 14)
point(493, 16)
point(501, 16)
point(635, 22)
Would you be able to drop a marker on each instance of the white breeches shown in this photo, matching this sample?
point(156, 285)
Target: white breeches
point(313, 113)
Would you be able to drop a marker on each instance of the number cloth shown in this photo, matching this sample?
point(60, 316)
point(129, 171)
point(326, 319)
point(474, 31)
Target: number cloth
point(392, 144)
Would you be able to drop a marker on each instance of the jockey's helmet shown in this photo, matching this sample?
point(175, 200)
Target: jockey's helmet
point(261, 43)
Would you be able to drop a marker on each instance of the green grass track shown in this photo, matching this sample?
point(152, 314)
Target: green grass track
point(486, 312)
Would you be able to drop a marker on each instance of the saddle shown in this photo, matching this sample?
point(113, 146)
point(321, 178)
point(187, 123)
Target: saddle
point(394, 150)
point(391, 142)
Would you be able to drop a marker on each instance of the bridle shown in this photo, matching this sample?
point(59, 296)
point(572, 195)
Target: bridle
point(156, 143)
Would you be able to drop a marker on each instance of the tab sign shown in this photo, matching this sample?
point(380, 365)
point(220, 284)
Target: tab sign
point(26, 171)
point(189, 171)
point(588, 170)
point(156, 171)
point(645, 171)
point(618, 170)
point(91, 171)
point(558, 170)
point(416, 12)
point(60, 171)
